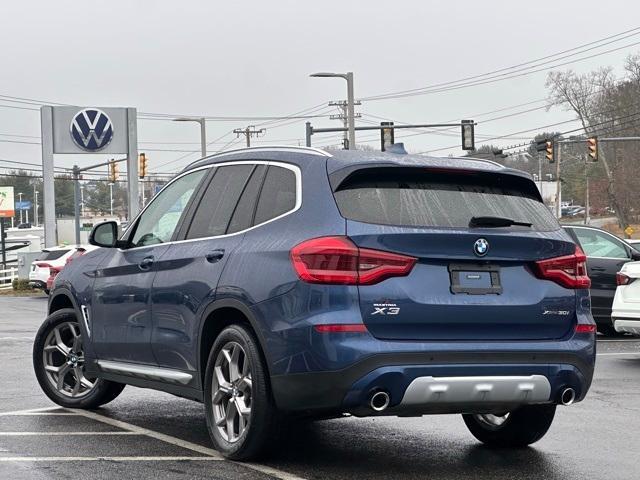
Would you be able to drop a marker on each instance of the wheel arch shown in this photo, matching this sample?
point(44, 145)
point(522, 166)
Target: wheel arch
point(61, 298)
point(215, 318)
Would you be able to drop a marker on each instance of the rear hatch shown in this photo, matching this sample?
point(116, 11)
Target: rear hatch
point(478, 282)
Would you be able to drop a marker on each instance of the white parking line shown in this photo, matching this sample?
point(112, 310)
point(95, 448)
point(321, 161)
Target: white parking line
point(149, 433)
point(214, 455)
point(61, 434)
point(34, 411)
point(112, 459)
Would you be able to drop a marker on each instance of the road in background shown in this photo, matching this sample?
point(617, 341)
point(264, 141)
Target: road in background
point(594, 439)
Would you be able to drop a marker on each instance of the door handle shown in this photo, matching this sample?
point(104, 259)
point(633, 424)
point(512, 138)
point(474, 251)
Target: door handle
point(598, 269)
point(214, 255)
point(145, 263)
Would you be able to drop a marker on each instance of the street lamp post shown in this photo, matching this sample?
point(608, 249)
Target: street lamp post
point(350, 102)
point(35, 205)
point(203, 131)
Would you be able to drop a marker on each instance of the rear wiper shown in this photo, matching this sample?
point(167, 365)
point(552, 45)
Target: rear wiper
point(495, 222)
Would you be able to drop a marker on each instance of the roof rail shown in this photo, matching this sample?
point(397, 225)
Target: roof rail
point(308, 150)
point(486, 160)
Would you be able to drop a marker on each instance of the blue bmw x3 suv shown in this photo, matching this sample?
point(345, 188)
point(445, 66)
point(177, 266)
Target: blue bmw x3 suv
point(279, 282)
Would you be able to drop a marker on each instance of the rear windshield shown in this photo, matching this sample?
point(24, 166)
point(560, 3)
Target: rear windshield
point(52, 255)
point(417, 197)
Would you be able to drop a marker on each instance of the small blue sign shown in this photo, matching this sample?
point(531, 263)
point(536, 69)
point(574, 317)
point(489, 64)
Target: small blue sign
point(24, 205)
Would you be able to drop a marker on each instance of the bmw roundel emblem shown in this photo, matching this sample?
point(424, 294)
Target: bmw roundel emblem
point(481, 247)
point(91, 129)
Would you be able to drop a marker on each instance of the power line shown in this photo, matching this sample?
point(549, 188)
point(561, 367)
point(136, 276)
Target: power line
point(451, 85)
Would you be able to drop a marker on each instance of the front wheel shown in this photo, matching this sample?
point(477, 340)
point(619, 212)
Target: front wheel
point(241, 416)
point(58, 361)
point(516, 429)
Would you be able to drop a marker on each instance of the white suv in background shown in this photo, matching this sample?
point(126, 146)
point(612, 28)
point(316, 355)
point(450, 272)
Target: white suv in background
point(54, 257)
point(626, 303)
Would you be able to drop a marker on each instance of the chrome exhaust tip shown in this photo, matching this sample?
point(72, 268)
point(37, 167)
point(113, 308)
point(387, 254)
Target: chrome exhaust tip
point(379, 401)
point(568, 396)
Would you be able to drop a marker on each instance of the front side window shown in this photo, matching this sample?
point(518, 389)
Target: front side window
point(158, 222)
point(598, 244)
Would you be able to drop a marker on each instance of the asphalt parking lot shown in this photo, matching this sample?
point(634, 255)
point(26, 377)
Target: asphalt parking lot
point(146, 434)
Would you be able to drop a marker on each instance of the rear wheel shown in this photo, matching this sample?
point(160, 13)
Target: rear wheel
point(58, 361)
point(519, 428)
point(241, 415)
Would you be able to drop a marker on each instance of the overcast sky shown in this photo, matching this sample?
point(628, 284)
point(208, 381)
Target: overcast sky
point(253, 58)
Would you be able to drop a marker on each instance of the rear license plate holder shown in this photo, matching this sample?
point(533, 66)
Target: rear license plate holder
point(475, 279)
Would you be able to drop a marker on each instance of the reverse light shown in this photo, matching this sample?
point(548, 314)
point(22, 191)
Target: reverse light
point(622, 279)
point(337, 260)
point(570, 271)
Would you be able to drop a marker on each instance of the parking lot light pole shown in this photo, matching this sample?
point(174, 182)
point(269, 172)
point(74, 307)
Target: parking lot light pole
point(350, 102)
point(203, 131)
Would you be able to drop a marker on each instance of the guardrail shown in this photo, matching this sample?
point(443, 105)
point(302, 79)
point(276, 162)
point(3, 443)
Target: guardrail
point(7, 276)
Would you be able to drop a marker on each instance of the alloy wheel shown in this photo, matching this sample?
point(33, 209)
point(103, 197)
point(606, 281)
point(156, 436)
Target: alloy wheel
point(231, 392)
point(63, 360)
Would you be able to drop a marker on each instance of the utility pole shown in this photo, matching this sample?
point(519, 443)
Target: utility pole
point(111, 198)
point(249, 132)
point(586, 200)
point(558, 184)
point(344, 116)
point(20, 200)
point(82, 200)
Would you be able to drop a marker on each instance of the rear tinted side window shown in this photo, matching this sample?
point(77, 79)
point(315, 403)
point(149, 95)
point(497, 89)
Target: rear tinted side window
point(214, 211)
point(417, 197)
point(278, 194)
point(52, 255)
point(243, 214)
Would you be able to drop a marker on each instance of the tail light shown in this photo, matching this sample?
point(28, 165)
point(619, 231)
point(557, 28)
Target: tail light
point(570, 271)
point(338, 260)
point(341, 328)
point(53, 271)
point(586, 328)
point(622, 279)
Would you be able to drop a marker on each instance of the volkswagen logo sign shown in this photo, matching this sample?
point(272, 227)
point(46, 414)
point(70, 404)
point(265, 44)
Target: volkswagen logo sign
point(481, 247)
point(91, 129)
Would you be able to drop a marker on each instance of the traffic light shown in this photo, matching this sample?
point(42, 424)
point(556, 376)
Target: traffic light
point(592, 148)
point(142, 165)
point(468, 135)
point(386, 135)
point(549, 151)
point(114, 171)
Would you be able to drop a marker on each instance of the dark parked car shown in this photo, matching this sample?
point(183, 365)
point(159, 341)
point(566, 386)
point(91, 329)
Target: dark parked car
point(275, 283)
point(606, 254)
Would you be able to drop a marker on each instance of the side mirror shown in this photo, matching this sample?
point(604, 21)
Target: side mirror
point(104, 234)
point(635, 255)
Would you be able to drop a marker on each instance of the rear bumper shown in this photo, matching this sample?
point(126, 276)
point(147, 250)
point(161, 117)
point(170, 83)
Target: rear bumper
point(407, 379)
point(38, 284)
point(627, 325)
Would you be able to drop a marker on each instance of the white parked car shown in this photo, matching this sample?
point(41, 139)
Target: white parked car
point(626, 303)
point(53, 257)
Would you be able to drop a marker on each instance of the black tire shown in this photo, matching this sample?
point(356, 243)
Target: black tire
point(263, 421)
point(522, 427)
point(101, 393)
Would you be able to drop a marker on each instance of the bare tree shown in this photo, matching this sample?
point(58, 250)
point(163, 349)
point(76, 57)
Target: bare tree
point(596, 100)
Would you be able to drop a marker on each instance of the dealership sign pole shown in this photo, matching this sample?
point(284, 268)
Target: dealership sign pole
point(7, 210)
point(86, 130)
